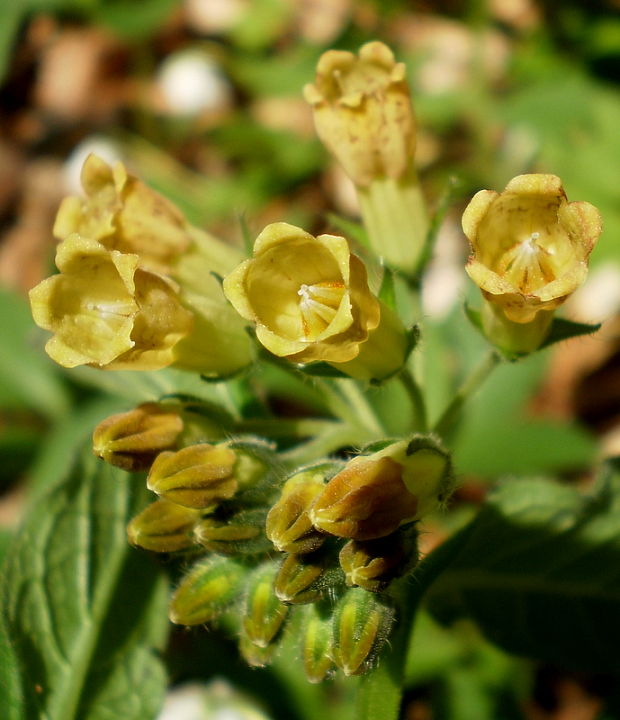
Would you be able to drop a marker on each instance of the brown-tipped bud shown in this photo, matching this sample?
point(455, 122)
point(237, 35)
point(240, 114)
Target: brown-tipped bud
point(361, 624)
point(132, 440)
point(240, 533)
point(207, 591)
point(197, 476)
point(288, 524)
point(316, 648)
point(375, 494)
point(300, 578)
point(373, 564)
point(254, 655)
point(164, 526)
point(264, 614)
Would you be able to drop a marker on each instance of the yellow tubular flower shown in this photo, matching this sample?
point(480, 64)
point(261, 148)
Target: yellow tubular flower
point(530, 247)
point(106, 311)
point(310, 300)
point(122, 213)
point(308, 296)
point(362, 112)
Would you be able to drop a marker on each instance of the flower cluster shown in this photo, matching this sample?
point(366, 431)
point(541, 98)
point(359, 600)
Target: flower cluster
point(346, 532)
point(291, 531)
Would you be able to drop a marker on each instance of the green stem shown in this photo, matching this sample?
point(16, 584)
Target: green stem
point(359, 410)
point(379, 693)
point(287, 428)
point(417, 399)
point(478, 375)
point(396, 220)
point(325, 443)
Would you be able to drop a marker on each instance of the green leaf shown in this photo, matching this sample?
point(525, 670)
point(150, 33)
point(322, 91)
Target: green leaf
point(85, 611)
point(562, 329)
point(498, 435)
point(539, 571)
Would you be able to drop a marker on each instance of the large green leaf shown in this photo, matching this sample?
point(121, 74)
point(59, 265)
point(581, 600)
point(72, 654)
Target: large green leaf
point(539, 571)
point(85, 612)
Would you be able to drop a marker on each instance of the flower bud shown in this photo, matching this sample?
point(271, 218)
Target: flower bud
point(240, 533)
point(375, 494)
point(197, 476)
point(254, 655)
point(362, 112)
point(264, 614)
point(530, 250)
point(373, 564)
point(209, 589)
point(163, 526)
point(131, 440)
point(361, 624)
point(288, 525)
point(305, 578)
point(316, 644)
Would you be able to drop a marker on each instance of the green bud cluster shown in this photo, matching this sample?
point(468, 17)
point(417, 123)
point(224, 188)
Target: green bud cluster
point(309, 558)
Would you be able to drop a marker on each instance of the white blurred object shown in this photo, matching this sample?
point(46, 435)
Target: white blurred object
point(106, 149)
point(599, 297)
point(216, 700)
point(191, 82)
point(214, 16)
point(445, 278)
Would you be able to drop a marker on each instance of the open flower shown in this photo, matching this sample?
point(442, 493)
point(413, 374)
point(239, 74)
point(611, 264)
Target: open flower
point(308, 296)
point(362, 112)
point(530, 247)
point(107, 311)
point(122, 213)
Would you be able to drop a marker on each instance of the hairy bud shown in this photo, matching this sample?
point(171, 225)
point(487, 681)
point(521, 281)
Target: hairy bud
point(197, 476)
point(163, 526)
point(361, 624)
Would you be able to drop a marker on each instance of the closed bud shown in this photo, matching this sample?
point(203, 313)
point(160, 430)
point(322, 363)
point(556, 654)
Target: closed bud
point(209, 589)
point(288, 524)
point(254, 655)
point(304, 578)
point(264, 614)
point(132, 440)
point(362, 112)
point(240, 533)
point(374, 494)
point(373, 564)
point(316, 648)
point(163, 526)
point(197, 476)
point(361, 624)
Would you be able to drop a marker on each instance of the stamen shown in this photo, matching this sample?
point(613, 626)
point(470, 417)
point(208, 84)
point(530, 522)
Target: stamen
point(318, 305)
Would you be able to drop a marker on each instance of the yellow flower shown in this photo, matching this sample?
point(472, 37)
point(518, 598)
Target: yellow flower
point(107, 311)
point(362, 112)
point(308, 296)
point(122, 213)
point(530, 247)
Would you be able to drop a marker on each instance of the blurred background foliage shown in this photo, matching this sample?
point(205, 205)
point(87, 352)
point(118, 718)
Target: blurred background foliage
point(202, 99)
